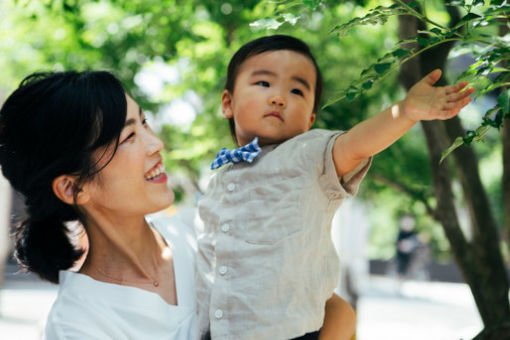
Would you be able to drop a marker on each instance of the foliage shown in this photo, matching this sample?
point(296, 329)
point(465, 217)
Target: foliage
point(477, 32)
point(195, 40)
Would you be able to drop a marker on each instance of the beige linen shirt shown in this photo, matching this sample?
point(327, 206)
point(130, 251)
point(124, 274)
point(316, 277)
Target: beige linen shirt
point(266, 264)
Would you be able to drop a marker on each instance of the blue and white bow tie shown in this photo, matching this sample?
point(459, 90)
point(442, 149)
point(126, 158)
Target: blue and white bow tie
point(246, 153)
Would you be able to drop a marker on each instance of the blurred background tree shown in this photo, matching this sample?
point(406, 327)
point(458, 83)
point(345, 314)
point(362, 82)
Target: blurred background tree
point(172, 57)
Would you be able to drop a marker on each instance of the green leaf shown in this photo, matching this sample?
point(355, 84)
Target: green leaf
point(481, 132)
point(414, 4)
point(504, 101)
point(468, 138)
point(423, 41)
point(351, 95)
point(367, 85)
point(400, 52)
point(456, 143)
point(381, 68)
point(469, 16)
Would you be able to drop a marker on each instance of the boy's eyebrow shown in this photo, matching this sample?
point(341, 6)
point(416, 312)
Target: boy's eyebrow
point(263, 72)
point(131, 121)
point(301, 80)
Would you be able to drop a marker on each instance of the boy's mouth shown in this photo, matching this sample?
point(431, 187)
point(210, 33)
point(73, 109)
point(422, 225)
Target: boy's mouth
point(274, 114)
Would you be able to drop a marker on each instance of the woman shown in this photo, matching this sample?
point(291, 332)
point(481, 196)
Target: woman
point(79, 148)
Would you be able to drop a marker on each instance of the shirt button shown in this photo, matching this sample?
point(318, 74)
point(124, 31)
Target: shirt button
point(218, 313)
point(223, 270)
point(225, 228)
point(231, 187)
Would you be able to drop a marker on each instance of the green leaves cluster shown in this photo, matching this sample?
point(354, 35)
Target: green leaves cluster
point(377, 15)
point(477, 32)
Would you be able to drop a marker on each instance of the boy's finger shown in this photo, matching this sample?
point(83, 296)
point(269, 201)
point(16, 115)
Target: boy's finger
point(456, 87)
point(433, 77)
point(459, 95)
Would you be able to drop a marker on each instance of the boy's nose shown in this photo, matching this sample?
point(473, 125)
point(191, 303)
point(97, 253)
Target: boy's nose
point(278, 101)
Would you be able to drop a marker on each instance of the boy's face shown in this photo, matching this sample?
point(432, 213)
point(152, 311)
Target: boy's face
point(273, 97)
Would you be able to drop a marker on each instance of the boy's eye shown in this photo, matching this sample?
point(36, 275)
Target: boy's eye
point(262, 83)
point(297, 91)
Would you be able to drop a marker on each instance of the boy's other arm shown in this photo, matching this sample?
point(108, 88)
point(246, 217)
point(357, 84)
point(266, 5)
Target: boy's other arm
point(373, 135)
point(339, 321)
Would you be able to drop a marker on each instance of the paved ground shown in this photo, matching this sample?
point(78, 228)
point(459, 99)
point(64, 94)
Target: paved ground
point(420, 310)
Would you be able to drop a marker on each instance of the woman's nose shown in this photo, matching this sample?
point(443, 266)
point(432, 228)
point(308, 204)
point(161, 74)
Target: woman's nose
point(154, 144)
point(278, 101)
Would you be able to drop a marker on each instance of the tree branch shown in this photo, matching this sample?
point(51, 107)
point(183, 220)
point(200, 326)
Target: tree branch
point(392, 183)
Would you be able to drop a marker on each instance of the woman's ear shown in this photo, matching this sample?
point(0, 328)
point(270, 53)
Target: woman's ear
point(64, 187)
point(226, 104)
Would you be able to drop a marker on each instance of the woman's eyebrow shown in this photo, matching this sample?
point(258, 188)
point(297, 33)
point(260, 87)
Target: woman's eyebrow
point(131, 121)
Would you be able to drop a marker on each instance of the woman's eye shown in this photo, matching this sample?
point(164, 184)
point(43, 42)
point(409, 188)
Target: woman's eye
point(297, 91)
point(145, 122)
point(262, 83)
point(131, 136)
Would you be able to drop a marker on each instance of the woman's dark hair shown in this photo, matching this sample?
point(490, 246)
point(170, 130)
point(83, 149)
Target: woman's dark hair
point(50, 126)
point(267, 44)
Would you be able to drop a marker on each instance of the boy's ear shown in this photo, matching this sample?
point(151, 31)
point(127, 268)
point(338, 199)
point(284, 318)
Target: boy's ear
point(226, 104)
point(64, 187)
point(312, 120)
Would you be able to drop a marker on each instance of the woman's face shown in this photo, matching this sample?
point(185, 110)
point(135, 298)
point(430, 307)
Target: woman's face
point(134, 182)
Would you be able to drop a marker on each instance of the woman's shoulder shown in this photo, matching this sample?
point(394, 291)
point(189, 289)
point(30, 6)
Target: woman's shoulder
point(90, 309)
point(73, 310)
point(177, 228)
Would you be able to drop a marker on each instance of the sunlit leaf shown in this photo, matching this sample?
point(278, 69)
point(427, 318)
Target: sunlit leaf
point(458, 142)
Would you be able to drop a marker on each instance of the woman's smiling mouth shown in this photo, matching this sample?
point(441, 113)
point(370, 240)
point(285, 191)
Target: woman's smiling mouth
point(156, 174)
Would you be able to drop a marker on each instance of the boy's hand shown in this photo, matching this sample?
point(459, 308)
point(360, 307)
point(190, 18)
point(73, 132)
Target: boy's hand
point(426, 102)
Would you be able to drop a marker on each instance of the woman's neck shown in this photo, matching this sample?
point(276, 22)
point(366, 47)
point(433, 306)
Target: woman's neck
point(124, 250)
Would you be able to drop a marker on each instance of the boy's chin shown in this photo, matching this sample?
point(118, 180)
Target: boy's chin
point(267, 140)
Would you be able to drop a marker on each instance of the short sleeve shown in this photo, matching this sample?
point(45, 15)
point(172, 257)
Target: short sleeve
point(314, 153)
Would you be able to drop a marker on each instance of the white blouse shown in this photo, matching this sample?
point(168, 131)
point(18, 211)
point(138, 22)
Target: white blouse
point(89, 309)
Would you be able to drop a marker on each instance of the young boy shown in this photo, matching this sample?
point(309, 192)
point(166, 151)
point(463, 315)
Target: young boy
point(266, 263)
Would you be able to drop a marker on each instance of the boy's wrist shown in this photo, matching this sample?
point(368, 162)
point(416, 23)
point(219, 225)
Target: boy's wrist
point(404, 112)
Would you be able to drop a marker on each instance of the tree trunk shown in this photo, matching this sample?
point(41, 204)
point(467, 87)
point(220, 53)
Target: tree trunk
point(506, 179)
point(481, 262)
point(503, 30)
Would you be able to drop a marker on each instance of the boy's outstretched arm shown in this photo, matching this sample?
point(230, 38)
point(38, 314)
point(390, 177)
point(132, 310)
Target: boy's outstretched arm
point(339, 321)
point(423, 102)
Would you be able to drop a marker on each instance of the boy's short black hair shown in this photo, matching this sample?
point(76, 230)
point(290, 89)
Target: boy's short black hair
point(267, 44)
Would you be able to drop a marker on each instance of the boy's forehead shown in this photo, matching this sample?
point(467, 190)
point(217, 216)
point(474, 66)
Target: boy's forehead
point(286, 61)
